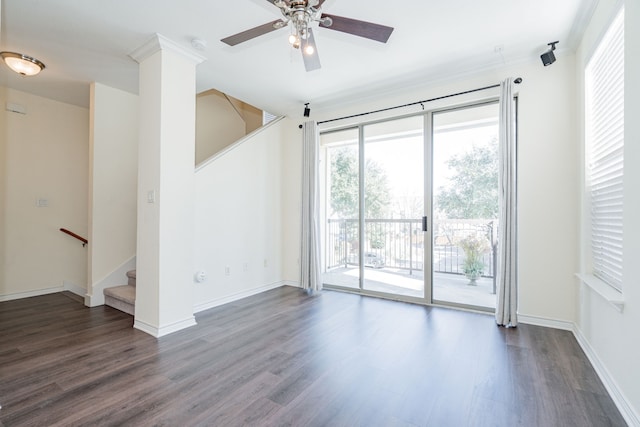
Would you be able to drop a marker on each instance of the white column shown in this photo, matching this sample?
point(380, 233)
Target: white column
point(164, 302)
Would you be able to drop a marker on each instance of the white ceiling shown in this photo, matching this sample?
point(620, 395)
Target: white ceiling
point(81, 41)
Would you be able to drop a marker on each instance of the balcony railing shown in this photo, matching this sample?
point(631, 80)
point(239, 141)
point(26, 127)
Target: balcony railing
point(399, 243)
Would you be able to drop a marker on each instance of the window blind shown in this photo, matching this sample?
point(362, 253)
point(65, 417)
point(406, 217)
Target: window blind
point(604, 100)
point(267, 117)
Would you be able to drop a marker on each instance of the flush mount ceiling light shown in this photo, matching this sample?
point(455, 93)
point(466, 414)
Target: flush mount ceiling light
point(300, 15)
point(22, 64)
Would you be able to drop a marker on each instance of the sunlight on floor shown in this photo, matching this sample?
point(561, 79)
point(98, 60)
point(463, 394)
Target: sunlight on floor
point(391, 276)
point(453, 288)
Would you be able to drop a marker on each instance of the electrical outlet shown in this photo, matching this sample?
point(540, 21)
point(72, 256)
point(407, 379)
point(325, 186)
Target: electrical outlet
point(227, 271)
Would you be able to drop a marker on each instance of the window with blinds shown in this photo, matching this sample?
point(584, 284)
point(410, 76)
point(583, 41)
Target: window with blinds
point(267, 117)
point(604, 102)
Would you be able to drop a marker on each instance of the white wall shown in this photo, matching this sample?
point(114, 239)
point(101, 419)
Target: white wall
point(252, 117)
point(3, 189)
point(611, 336)
point(548, 197)
point(548, 180)
point(45, 155)
point(113, 175)
point(217, 124)
point(239, 218)
point(291, 219)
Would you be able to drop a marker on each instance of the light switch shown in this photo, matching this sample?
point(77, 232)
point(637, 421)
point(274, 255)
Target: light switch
point(151, 196)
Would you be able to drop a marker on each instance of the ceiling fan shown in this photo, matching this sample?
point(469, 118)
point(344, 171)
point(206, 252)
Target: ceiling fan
point(300, 14)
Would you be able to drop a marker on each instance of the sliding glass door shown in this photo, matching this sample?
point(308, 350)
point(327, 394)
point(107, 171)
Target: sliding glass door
point(393, 190)
point(465, 205)
point(374, 186)
point(340, 185)
point(384, 181)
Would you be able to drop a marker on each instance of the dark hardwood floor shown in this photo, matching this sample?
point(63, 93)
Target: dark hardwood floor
point(283, 358)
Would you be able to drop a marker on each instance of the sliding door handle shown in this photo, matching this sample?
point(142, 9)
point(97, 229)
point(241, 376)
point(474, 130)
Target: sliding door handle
point(424, 223)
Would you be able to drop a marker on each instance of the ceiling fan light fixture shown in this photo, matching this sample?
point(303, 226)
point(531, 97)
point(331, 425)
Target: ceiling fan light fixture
point(22, 64)
point(294, 40)
point(301, 17)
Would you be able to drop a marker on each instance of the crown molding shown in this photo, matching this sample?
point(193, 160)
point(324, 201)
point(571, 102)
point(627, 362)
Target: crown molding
point(158, 43)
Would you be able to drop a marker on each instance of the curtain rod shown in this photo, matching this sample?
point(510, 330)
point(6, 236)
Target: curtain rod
point(518, 80)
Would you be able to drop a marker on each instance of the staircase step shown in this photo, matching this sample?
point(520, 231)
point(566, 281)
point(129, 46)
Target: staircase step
point(122, 298)
point(131, 277)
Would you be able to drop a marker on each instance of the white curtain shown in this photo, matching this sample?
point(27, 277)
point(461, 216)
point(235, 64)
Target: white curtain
point(311, 279)
point(507, 271)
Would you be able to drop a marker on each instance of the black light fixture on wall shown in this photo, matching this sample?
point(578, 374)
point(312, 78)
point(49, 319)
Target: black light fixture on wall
point(548, 57)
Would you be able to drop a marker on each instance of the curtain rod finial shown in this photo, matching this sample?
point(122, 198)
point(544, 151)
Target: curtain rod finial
point(518, 80)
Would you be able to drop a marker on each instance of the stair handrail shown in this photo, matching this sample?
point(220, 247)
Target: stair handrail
point(72, 234)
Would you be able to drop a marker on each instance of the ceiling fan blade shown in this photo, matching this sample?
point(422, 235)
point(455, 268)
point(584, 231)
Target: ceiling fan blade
point(368, 30)
point(311, 61)
point(250, 34)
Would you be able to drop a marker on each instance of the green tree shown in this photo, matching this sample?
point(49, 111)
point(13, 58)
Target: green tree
point(472, 192)
point(344, 185)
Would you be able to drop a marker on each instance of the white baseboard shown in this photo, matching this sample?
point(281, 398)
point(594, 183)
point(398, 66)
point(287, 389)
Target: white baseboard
point(542, 321)
point(292, 283)
point(197, 308)
point(78, 290)
point(627, 412)
point(66, 286)
point(166, 329)
point(95, 295)
point(30, 294)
